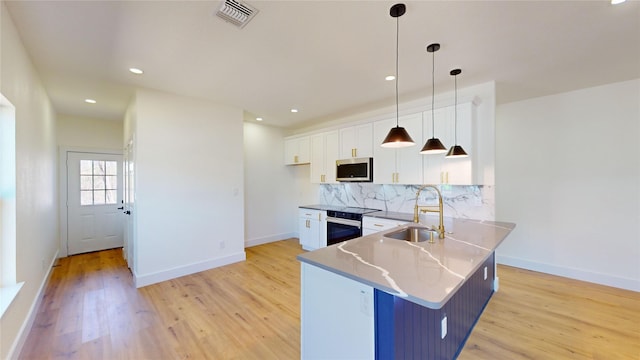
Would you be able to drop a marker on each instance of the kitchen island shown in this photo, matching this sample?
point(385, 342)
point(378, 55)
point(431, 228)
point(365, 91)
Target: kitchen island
point(385, 298)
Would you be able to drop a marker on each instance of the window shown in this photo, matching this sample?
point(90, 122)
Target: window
point(8, 286)
point(98, 182)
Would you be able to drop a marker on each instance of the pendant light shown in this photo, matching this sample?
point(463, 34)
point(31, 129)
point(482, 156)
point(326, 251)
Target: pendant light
point(456, 150)
point(398, 136)
point(433, 145)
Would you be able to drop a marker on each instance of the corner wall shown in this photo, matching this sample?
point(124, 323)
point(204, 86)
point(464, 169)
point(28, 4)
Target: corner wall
point(568, 174)
point(189, 185)
point(271, 187)
point(36, 183)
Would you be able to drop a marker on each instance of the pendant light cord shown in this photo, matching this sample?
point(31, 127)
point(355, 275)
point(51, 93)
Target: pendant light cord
point(397, 52)
point(455, 110)
point(433, 93)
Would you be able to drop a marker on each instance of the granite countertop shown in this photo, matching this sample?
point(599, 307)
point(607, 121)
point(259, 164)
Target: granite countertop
point(426, 274)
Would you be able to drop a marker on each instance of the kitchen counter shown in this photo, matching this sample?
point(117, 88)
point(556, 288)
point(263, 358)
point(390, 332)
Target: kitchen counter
point(423, 273)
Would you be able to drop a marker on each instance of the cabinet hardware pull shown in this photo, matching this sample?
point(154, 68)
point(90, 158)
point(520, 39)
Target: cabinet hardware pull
point(378, 225)
point(295, 158)
point(446, 177)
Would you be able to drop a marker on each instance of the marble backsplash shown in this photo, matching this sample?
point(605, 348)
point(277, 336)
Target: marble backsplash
point(460, 201)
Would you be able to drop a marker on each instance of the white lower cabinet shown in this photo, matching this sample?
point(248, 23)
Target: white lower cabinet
point(371, 225)
point(312, 228)
point(337, 316)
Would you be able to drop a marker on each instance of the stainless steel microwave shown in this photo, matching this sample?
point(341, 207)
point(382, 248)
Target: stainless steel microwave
point(355, 169)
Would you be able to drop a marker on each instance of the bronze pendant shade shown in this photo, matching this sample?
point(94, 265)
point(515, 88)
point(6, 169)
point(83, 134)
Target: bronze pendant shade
point(398, 137)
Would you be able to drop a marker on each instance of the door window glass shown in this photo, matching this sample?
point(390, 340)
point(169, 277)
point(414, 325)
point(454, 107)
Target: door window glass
point(98, 182)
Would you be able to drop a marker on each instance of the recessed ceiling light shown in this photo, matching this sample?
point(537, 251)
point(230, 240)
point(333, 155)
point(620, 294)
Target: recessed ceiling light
point(89, 101)
point(616, 2)
point(294, 110)
point(136, 71)
point(259, 119)
point(390, 77)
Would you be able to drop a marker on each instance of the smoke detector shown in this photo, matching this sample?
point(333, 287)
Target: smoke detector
point(236, 12)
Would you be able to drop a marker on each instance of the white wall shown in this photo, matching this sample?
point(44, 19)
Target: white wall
point(36, 185)
point(189, 186)
point(89, 133)
point(270, 205)
point(568, 174)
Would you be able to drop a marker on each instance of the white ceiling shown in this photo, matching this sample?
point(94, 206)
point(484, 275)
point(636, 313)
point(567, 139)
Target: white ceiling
point(326, 58)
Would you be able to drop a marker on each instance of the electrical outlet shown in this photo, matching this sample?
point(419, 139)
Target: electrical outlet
point(364, 303)
point(443, 327)
point(485, 273)
point(222, 245)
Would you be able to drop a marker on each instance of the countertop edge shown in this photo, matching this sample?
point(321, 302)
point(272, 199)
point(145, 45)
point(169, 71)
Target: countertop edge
point(376, 285)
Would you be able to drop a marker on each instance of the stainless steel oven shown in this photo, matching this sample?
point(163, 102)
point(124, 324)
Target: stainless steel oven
point(345, 224)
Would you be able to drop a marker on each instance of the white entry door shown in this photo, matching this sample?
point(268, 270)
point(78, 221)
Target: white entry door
point(94, 202)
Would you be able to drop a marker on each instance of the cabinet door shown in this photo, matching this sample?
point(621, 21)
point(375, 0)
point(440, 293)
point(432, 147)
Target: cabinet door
point(324, 153)
point(309, 229)
point(409, 160)
point(337, 319)
point(432, 164)
point(318, 162)
point(384, 159)
point(297, 150)
point(304, 150)
point(331, 151)
point(459, 171)
point(439, 169)
point(356, 141)
point(291, 151)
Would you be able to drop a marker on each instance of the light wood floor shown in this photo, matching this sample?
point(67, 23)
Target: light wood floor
point(250, 310)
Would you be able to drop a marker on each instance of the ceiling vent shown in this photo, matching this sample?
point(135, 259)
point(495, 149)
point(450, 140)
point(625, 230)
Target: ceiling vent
point(236, 12)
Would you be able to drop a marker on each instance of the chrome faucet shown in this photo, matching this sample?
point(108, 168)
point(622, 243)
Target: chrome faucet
point(425, 209)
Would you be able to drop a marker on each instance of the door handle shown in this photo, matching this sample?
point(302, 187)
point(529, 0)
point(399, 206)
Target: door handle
point(121, 208)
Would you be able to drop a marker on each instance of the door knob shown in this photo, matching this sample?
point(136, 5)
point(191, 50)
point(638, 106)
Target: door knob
point(128, 212)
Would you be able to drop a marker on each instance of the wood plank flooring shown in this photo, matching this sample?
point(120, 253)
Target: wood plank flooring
point(251, 310)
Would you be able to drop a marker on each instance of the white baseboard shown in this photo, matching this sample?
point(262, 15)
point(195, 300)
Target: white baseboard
point(577, 274)
point(269, 239)
point(148, 279)
point(23, 333)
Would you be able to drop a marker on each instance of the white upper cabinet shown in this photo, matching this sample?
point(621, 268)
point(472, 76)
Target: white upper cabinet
point(297, 150)
point(398, 166)
point(405, 166)
point(324, 153)
point(439, 169)
point(356, 141)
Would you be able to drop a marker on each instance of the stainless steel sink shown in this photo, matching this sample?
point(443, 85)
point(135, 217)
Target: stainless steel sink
point(413, 234)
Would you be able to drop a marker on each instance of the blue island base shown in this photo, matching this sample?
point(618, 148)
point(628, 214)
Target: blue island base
point(405, 330)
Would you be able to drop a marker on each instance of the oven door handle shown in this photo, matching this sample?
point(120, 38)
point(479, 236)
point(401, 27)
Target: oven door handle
point(347, 222)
